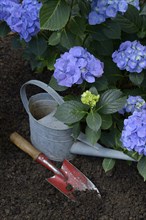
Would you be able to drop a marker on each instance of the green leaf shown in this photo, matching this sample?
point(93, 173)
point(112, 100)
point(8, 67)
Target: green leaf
point(111, 101)
point(53, 83)
point(144, 23)
point(108, 139)
point(38, 45)
point(133, 154)
point(104, 48)
point(4, 29)
point(143, 85)
point(71, 112)
point(111, 71)
point(84, 7)
point(136, 78)
point(94, 121)
point(106, 122)
point(108, 164)
point(76, 130)
point(130, 22)
point(112, 30)
point(143, 11)
point(77, 25)
point(141, 166)
point(93, 90)
point(54, 39)
point(68, 39)
point(51, 59)
point(92, 136)
point(111, 139)
point(101, 83)
point(96, 32)
point(54, 15)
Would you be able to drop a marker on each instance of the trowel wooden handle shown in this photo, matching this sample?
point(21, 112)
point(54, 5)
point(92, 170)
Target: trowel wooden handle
point(24, 145)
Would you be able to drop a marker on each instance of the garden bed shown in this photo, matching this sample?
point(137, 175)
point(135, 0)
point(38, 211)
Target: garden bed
point(25, 194)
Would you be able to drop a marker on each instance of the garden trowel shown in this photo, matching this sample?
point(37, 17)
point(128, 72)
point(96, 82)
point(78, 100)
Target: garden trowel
point(68, 179)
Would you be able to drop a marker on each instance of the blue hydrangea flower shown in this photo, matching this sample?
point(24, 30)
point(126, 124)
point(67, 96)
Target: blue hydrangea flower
point(103, 9)
point(77, 65)
point(134, 132)
point(6, 8)
point(24, 19)
point(130, 56)
point(133, 103)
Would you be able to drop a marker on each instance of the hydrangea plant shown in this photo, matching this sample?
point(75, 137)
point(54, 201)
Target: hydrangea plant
point(101, 10)
point(96, 51)
point(133, 103)
point(134, 132)
point(77, 65)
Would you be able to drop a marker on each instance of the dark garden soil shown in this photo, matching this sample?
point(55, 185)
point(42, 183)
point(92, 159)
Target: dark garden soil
point(24, 192)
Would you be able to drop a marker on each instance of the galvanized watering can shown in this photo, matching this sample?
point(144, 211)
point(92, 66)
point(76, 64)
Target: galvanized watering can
point(53, 137)
point(47, 134)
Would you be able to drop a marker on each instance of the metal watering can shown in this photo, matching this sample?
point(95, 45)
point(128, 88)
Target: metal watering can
point(53, 137)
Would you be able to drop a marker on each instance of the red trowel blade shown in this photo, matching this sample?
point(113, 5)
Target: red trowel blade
point(75, 181)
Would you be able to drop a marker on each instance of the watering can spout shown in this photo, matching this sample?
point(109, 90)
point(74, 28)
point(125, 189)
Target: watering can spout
point(83, 147)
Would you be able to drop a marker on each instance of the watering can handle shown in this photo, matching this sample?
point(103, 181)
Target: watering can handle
point(41, 85)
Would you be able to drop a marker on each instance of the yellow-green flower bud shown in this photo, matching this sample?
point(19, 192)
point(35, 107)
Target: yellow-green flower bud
point(89, 99)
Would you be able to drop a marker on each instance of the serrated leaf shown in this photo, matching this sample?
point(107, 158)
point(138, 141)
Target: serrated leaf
point(53, 83)
point(84, 7)
point(54, 15)
point(54, 39)
point(141, 166)
point(93, 90)
point(111, 101)
point(130, 22)
point(101, 84)
point(68, 39)
point(94, 121)
point(108, 139)
point(70, 112)
point(143, 11)
point(108, 164)
point(136, 78)
point(51, 61)
point(92, 136)
point(77, 25)
point(96, 32)
point(112, 30)
point(111, 71)
point(76, 130)
point(106, 121)
point(104, 48)
point(38, 45)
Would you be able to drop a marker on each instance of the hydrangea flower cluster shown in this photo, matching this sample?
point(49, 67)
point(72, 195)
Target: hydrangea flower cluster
point(6, 8)
point(103, 9)
point(22, 18)
point(77, 65)
point(130, 56)
point(133, 103)
point(89, 99)
point(134, 132)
